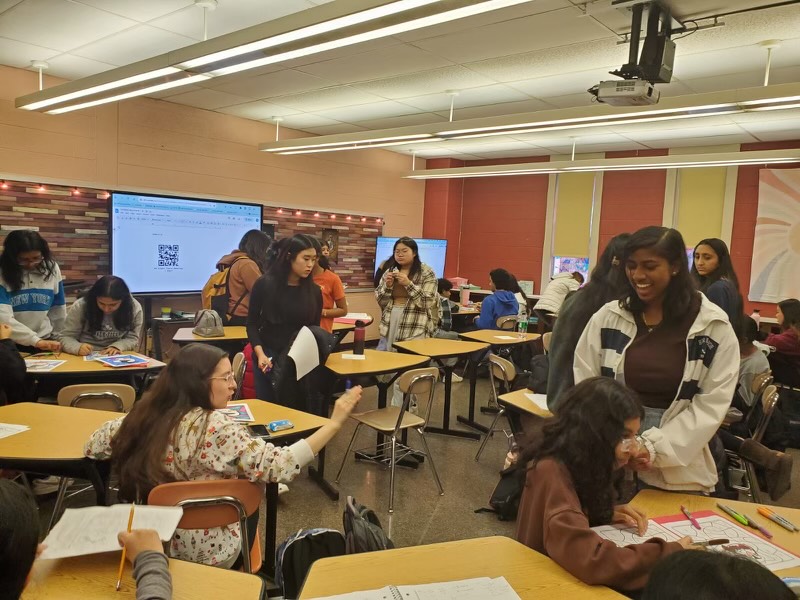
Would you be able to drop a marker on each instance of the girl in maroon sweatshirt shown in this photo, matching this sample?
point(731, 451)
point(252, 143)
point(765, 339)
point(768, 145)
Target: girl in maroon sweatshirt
point(569, 488)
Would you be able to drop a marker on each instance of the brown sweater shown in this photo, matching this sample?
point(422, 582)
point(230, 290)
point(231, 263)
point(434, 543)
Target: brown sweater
point(242, 277)
point(551, 521)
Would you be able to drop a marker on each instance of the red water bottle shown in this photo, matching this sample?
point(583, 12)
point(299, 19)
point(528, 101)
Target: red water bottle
point(359, 335)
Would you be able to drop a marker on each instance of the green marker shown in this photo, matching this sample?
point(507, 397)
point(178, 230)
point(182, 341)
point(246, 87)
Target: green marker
point(734, 515)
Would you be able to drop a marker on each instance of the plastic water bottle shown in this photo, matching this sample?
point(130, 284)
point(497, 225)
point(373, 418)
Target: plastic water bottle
point(522, 326)
point(756, 316)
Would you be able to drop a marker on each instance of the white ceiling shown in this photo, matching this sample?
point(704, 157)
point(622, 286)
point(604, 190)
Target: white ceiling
point(540, 55)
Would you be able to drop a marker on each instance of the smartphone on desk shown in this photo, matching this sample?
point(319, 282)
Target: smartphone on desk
point(260, 431)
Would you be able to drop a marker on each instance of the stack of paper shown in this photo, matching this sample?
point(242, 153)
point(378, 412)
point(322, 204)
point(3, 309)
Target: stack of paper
point(480, 588)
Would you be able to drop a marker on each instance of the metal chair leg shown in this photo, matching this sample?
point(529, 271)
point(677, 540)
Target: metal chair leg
point(489, 434)
point(62, 489)
point(391, 474)
point(430, 460)
point(755, 494)
point(347, 453)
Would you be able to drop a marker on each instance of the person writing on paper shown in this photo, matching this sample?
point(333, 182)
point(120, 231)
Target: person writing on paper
point(673, 347)
point(19, 547)
point(569, 475)
point(107, 319)
point(32, 297)
point(283, 300)
point(176, 433)
point(12, 369)
point(334, 302)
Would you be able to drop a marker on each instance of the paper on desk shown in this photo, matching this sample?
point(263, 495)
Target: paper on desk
point(304, 352)
point(9, 429)
point(354, 357)
point(539, 400)
point(479, 588)
point(36, 365)
point(94, 529)
point(506, 337)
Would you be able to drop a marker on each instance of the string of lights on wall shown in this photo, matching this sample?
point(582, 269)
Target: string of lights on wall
point(320, 215)
point(40, 188)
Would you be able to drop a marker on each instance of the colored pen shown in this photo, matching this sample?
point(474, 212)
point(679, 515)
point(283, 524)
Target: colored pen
point(733, 514)
point(122, 562)
point(773, 516)
point(754, 525)
point(717, 542)
point(689, 516)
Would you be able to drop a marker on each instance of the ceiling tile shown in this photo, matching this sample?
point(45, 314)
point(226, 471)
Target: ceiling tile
point(140, 10)
point(334, 129)
point(20, 54)
point(490, 94)
point(740, 138)
point(131, 45)
point(520, 152)
point(58, 24)
point(330, 98)
point(426, 82)
point(208, 99)
point(571, 100)
point(7, 4)
point(304, 121)
point(259, 111)
point(75, 67)
point(423, 118)
point(562, 85)
point(280, 83)
point(362, 112)
point(490, 110)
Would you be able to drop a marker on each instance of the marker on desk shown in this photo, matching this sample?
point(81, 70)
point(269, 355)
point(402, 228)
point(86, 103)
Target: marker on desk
point(733, 514)
point(754, 525)
point(689, 516)
point(776, 518)
point(716, 542)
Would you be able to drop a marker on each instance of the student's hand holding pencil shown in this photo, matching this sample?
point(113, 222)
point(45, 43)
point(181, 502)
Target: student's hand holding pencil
point(625, 514)
point(139, 540)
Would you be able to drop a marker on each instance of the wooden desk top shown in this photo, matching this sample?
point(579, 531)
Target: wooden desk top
point(266, 412)
point(519, 401)
point(95, 576)
point(440, 348)
point(532, 575)
point(233, 333)
point(466, 311)
point(656, 503)
point(343, 326)
point(493, 336)
point(75, 365)
point(56, 432)
point(375, 363)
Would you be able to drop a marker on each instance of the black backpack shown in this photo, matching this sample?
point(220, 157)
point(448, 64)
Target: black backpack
point(362, 529)
point(504, 501)
point(298, 552)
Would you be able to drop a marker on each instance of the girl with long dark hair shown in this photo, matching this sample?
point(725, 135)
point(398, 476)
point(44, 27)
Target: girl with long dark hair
point(569, 488)
point(334, 302)
point(176, 433)
point(674, 348)
point(607, 282)
point(247, 263)
point(107, 319)
point(32, 297)
point(713, 272)
point(283, 300)
point(501, 303)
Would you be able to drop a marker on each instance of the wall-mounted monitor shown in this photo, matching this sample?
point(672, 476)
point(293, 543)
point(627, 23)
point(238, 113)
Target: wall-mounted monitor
point(431, 252)
point(163, 245)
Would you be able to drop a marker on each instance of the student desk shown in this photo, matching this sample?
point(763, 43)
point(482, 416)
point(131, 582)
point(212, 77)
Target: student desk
point(439, 350)
point(95, 576)
point(518, 402)
point(342, 329)
point(304, 425)
point(532, 575)
point(495, 337)
point(54, 442)
point(657, 503)
point(233, 334)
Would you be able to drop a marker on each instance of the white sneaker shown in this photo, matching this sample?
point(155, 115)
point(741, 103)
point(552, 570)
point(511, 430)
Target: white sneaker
point(48, 485)
point(282, 488)
point(457, 378)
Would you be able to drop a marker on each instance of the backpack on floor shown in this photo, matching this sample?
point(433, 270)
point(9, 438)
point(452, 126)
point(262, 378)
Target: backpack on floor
point(298, 552)
point(216, 293)
point(362, 529)
point(504, 501)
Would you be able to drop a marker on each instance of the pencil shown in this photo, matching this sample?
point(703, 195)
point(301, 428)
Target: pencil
point(122, 562)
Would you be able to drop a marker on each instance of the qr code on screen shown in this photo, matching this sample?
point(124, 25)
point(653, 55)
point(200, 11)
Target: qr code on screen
point(168, 255)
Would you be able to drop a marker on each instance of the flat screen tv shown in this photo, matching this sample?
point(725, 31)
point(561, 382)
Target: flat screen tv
point(164, 245)
point(431, 252)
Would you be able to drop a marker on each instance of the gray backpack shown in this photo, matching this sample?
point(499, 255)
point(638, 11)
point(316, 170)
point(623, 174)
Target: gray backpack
point(362, 529)
point(208, 323)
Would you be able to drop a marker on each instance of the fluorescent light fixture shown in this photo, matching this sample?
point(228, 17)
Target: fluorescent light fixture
point(634, 163)
point(322, 28)
point(395, 140)
point(697, 106)
point(360, 147)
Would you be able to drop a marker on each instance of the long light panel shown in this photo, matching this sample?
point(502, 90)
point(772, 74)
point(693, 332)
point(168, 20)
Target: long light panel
point(325, 27)
point(634, 163)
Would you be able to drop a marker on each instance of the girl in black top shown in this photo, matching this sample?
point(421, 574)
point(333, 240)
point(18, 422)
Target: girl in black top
point(282, 301)
point(713, 272)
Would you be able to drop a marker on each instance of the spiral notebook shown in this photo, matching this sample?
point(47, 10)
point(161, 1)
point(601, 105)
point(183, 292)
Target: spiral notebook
point(480, 588)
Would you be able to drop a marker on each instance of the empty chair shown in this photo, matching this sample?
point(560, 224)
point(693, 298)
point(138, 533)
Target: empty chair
point(504, 372)
point(239, 365)
point(216, 503)
point(394, 420)
point(546, 339)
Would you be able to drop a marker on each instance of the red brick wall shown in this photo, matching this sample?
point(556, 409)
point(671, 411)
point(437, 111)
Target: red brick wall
point(442, 215)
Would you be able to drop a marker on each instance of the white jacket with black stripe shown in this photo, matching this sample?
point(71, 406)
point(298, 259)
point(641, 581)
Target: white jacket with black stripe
point(679, 453)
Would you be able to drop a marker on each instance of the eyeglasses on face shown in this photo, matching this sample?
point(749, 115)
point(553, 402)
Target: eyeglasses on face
point(228, 378)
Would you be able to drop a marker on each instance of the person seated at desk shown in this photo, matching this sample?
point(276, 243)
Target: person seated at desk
point(107, 319)
point(705, 575)
point(500, 303)
point(569, 488)
point(175, 433)
point(553, 296)
point(443, 320)
point(32, 297)
point(785, 360)
point(12, 370)
point(19, 547)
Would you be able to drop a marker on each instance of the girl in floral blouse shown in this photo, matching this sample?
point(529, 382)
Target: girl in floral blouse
point(175, 433)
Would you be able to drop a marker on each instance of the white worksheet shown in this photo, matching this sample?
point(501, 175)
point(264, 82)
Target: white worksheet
point(37, 365)
point(9, 429)
point(480, 588)
point(539, 400)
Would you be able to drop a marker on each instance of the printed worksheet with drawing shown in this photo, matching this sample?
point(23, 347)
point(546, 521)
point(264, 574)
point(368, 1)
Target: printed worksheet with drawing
point(479, 588)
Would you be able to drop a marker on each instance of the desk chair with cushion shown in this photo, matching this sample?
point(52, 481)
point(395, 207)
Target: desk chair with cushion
point(394, 421)
point(239, 366)
point(216, 503)
point(113, 397)
point(741, 472)
point(504, 372)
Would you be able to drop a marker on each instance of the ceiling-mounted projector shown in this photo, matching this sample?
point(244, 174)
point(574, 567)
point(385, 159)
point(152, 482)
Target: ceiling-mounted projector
point(632, 92)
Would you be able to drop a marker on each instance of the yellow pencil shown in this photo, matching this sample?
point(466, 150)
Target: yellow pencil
point(122, 562)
